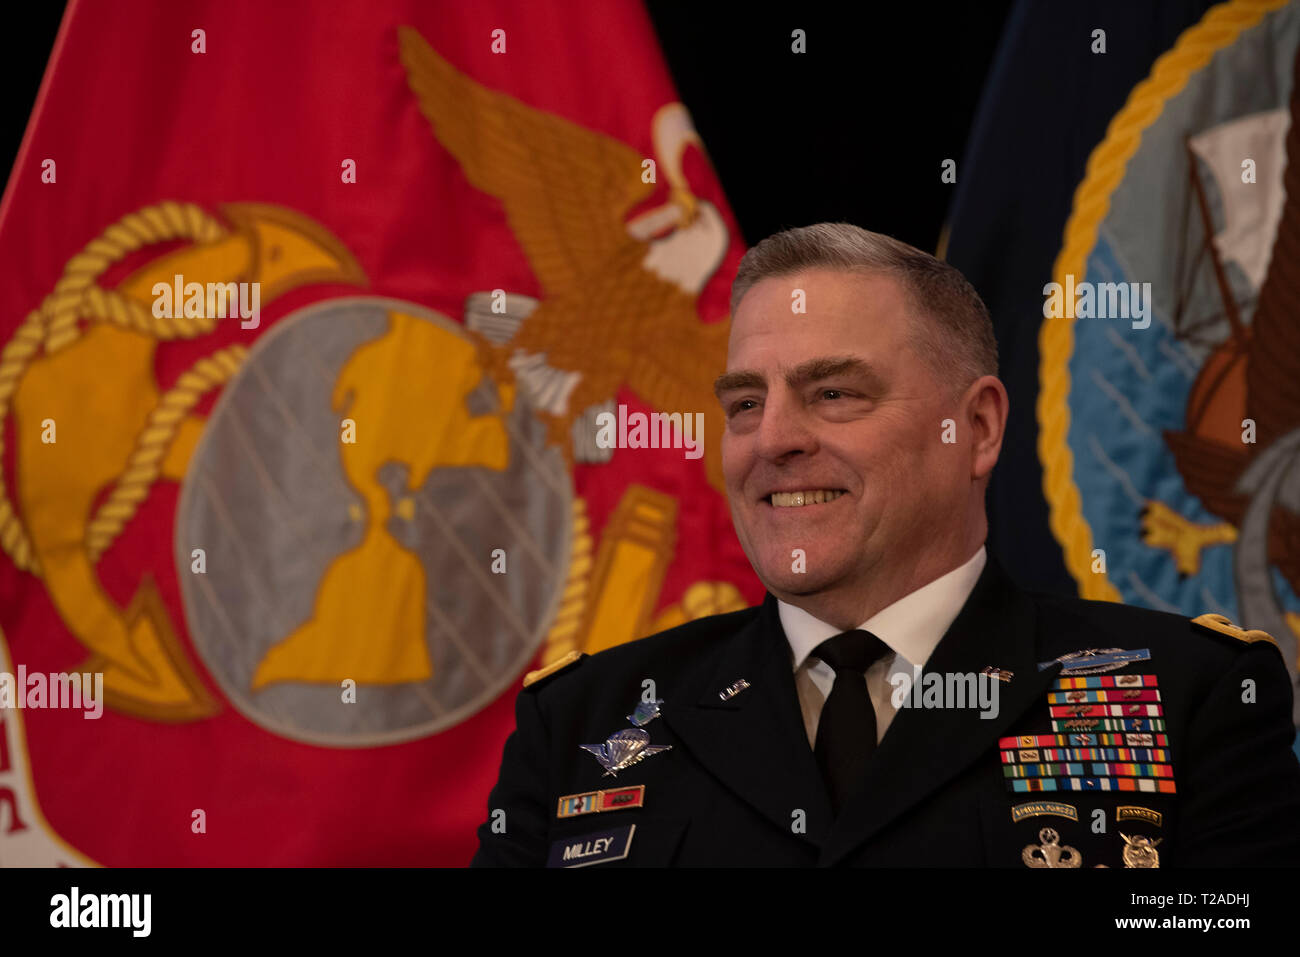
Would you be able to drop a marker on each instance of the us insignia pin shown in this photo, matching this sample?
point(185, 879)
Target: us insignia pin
point(622, 749)
point(1002, 674)
point(726, 694)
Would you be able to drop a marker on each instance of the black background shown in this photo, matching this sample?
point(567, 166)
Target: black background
point(853, 130)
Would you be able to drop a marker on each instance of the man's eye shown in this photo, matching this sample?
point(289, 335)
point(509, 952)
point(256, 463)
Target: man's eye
point(742, 405)
point(831, 393)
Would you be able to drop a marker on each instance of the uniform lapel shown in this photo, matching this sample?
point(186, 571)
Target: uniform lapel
point(755, 742)
point(924, 749)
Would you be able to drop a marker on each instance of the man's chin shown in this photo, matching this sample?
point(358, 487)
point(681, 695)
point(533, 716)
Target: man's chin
point(787, 584)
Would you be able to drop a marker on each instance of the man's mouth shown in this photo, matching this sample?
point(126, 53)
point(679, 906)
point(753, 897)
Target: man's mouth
point(816, 496)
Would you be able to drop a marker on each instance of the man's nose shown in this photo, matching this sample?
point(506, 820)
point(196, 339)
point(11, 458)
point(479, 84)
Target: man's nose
point(784, 428)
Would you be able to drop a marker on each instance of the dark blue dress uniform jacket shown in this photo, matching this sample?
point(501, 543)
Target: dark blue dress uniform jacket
point(741, 787)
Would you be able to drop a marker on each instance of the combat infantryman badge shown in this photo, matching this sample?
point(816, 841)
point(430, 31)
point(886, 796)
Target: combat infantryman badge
point(1049, 853)
point(1093, 661)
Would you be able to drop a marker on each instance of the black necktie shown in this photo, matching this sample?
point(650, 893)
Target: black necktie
point(846, 731)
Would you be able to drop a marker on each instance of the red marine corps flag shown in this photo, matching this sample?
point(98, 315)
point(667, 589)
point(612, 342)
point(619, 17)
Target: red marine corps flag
point(353, 362)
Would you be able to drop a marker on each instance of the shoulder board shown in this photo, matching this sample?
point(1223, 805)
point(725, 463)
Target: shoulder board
point(1225, 627)
point(555, 666)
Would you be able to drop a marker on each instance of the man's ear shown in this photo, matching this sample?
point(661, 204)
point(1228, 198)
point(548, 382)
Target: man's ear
point(986, 413)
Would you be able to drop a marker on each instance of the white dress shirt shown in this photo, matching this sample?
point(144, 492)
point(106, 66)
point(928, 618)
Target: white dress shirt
point(912, 627)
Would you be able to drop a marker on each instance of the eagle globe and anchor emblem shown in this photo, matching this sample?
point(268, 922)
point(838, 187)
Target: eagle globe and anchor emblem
point(370, 559)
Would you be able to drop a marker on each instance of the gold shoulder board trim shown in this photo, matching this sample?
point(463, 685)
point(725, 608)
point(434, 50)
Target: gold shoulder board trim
point(1221, 624)
point(554, 666)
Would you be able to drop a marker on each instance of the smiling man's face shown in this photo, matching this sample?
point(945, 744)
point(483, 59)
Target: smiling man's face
point(835, 410)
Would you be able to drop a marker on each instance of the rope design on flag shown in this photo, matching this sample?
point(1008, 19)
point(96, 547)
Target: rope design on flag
point(26, 341)
point(76, 295)
point(153, 442)
point(1219, 28)
point(54, 325)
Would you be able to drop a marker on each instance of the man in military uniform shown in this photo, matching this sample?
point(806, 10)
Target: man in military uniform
point(895, 700)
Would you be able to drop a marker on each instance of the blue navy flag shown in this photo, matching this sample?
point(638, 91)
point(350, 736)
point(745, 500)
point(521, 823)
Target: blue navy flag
point(1129, 208)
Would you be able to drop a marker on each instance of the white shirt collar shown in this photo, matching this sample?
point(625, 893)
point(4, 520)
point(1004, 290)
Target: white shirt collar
point(912, 626)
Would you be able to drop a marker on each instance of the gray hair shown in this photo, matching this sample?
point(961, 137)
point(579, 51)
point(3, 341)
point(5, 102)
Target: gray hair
point(957, 342)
